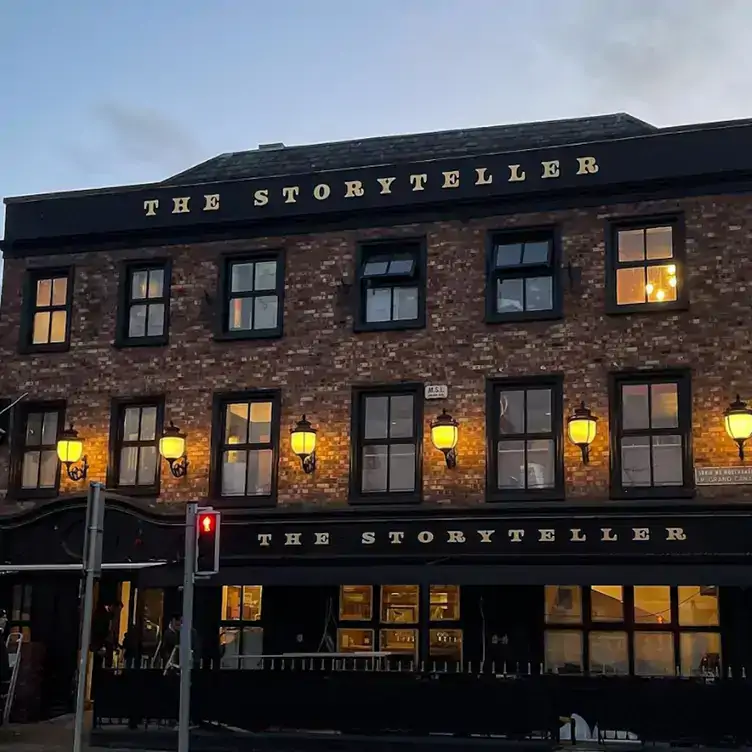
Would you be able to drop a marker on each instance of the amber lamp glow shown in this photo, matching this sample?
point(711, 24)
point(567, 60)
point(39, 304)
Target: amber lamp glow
point(444, 435)
point(738, 422)
point(70, 450)
point(303, 443)
point(172, 449)
point(581, 429)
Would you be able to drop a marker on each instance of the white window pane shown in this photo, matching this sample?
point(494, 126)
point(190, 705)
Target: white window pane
point(540, 463)
point(635, 413)
point(57, 326)
point(48, 469)
point(234, 473)
point(668, 467)
point(563, 650)
point(155, 325)
point(376, 417)
point(374, 469)
point(405, 303)
point(659, 242)
point(402, 467)
point(147, 467)
point(631, 245)
point(664, 405)
point(379, 304)
point(700, 653)
point(139, 285)
point(512, 411)
point(609, 653)
point(265, 312)
point(509, 296)
point(538, 410)
point(34, 423)
point(137, 321)
point(252, 644)
point(128, 466)
point(156, 283)
point(241, 314)
point(511, 464)
point(242, 278)
point(148, 423)
point(49, 429)
point(30, 470)
point(509, 254)
point(635, 461)
point(41, 333)
point(131, 423)
point(229, 647)
point(539, 294)
point(266, 275)
point(401, 416)
point(654, 654)
point(536, 253)
point(259, 472)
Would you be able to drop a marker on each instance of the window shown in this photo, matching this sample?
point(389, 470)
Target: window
point(525, 431)
point(646, 630)
point(246, 442)
point(241, 638)
point(646, 266)
point(144, 304)
point(387, 431)
point(137, 429)
point(356, 603)
point(36, 469)
point(400, 604)
point(444, 640)
point(651, 435)
point(20, 611)
point(523, 280)
point(391, 280)
point(48, 298)
point(252, 296)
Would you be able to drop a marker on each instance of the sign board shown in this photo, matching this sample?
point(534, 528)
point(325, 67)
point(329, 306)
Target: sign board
point(723, 476)
point(436, 391)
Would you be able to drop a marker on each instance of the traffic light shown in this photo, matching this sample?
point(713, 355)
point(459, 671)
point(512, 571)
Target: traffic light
point(207, 542)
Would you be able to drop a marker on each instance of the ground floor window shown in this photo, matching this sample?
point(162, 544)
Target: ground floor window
point(403, 621)
point(645, 630)
point(20, 611)
point(241, 639)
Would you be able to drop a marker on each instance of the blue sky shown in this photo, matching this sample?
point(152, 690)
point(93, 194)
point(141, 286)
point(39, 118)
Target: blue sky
point(100, 92)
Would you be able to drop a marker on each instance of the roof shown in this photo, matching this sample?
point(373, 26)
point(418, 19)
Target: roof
point(276, 159)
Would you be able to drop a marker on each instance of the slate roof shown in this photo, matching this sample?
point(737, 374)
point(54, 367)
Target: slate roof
point(292, 160)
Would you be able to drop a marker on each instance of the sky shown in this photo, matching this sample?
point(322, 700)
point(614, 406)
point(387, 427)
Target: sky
point(101, 92)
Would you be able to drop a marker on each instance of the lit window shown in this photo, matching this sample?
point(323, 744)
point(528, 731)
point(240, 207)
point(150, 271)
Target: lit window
point(607, 603)
point(698, 606)
point(145, 304)
point(49, 308)
point(563, 604)
point(399, 604)
point(652, 604)
point(356, 602)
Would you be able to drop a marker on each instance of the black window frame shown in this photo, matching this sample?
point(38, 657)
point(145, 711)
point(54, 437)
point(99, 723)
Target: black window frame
point(551, 233)
point(223, 332)
point(679, 258)
point(390, 247)
point(554, 382)
point(126, 302)
point(19, 420)
point(683, 379)
point(357, 428)
point(117, 425)
point(29, 308)
point(219, 403)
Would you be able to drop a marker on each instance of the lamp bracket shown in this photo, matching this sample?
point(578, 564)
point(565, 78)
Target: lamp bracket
point(308, 462)
point(179, 468)
point(77, 472)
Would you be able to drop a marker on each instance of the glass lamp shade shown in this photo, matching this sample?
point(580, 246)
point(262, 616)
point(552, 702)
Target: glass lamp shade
point(738, 420)
point(445, 432)
point(172, 443)
point(70, 448)
point(303, 438)
point(582, 426)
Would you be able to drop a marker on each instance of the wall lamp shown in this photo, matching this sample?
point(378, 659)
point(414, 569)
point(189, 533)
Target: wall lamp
point(303, 443)
point(581, 429)
point(738, 421)
point(444, 435)
point(172, 448)
point(70, 450)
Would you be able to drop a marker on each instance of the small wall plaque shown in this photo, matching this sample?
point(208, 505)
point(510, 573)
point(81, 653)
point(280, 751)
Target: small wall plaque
point(723, 476)
point(436, 391)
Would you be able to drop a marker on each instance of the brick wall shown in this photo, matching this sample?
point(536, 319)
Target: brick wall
point(319, 358)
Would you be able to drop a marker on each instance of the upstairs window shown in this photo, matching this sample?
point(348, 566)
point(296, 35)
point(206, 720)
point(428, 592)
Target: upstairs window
point(252, 292)
point(651, 432)
point(35, 466)
point(138, 427)
point(522, 279)
point(47, 310)
point(646, 266)
point(391, 286)
point(144, 304)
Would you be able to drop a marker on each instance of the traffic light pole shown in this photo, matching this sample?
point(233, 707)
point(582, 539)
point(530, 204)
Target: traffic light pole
point(186, 628)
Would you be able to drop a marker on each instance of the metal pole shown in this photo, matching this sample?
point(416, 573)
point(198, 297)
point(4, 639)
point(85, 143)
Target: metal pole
point(92, 565)
point(186, 628)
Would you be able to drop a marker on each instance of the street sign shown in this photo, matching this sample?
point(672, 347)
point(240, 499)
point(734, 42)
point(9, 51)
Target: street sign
point(723, 476)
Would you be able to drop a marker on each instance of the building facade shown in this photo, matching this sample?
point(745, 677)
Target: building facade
point(505, 277)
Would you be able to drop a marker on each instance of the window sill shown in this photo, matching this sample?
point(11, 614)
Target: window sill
point(612, 309)
point(649, 494)
point(28, 494)
point(517, 497)
point(248, 335)
point(389, 326)
point(511, 318)
point(382, 500)
point(61, 347)
point(120, 344)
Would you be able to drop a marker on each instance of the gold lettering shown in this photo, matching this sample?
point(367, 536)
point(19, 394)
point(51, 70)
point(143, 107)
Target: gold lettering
point(516, 174)
point(396, 536)
point(485, 535)
point(386, 184)
point(418, 182)
point(482, 178)
point(451, 179)
point(547, 534)
point(550, 169)
point(321, 192)
point(455, 536)
point(292, 539)
point(587, 166)
point(322, 539)
point(675, 533)
point(290, 193)
point(515, 535)
point(151, 206)
point(640, 533)
point(353, 188)
point(607, 535)
point(180, 205)
point(368, 537)
point(425, 536)
point(264, 538)
point(211, 202)
point(261, 197)
point(577, 535)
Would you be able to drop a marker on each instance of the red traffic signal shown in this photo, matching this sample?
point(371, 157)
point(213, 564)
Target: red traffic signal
point(207, 543)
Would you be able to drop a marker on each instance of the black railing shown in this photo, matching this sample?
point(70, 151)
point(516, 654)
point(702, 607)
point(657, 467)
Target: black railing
point(371, 696)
